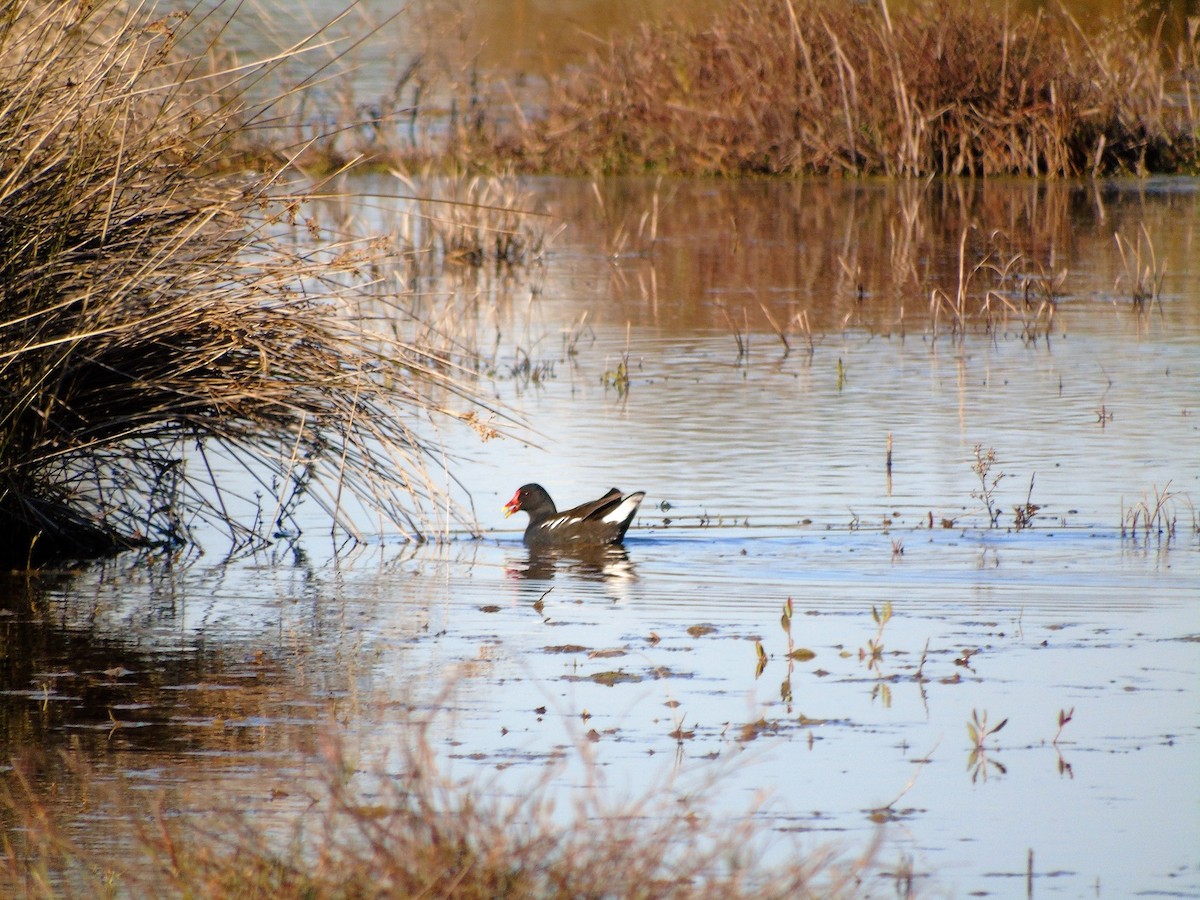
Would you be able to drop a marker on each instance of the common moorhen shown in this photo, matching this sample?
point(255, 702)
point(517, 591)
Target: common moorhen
point(594, 524)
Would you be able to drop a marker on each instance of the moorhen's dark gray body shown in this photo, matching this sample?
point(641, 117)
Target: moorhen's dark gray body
point(596, 524)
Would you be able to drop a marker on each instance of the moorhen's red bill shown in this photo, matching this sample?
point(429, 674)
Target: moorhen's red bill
point(596, 524)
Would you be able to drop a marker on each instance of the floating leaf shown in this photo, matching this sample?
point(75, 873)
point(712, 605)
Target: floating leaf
point(801, 654)
point(611, 678)
point(751, 730)
point(606, 654)
point(679, 733)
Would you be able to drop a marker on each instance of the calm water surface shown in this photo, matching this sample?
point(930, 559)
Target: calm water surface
point(218, 682)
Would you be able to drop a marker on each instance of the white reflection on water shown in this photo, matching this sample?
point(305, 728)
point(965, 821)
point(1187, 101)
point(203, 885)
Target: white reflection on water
point(772, 471)
point(1055, 620)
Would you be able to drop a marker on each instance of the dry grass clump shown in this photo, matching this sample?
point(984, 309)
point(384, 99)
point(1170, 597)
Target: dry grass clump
point(813, 86)
point(373, 834)
point(152, 312)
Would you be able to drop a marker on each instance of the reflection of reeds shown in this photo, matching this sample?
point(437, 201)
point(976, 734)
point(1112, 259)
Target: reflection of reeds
point(1142, 273)
point(473, 221)
point(414, 832)
point(149, 316)
point(618, 234)
point(741, 333)
point(1019, 291)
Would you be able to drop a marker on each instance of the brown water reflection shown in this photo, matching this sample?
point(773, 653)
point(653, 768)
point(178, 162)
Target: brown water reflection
point(869, 255)
point(113, 677)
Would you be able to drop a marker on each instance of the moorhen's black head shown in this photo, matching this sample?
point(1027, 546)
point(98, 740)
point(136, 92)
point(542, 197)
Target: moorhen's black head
point(533, 499)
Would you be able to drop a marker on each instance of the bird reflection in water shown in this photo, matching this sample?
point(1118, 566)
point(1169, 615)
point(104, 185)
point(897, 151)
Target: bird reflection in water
point(603, 563)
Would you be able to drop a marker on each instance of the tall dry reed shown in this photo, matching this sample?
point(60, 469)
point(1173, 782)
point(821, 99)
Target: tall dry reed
point(157, 327)
point(819, 86)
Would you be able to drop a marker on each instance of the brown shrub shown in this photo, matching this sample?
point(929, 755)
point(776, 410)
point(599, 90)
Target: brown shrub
point(810, 86)
point(152, 310)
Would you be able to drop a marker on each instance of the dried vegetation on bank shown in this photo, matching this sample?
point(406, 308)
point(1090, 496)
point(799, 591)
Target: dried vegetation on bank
point(805, 86)
point(793, 87)
point(159, 325)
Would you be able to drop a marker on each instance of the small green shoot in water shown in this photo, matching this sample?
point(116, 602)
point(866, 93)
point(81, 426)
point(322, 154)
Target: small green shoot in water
point(1064, 716)
point(1064, 767)
point(618, 378)
point(979, 731)
point(793, 655)
point(873, 652)
point(882, 691)
point(802, 654)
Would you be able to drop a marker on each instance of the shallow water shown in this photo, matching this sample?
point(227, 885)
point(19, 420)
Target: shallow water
point(218, 682)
